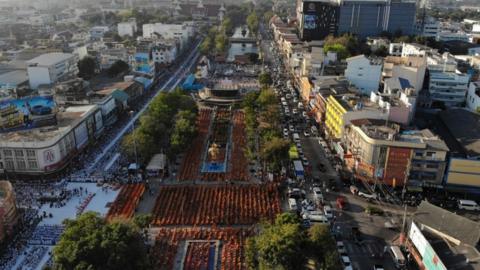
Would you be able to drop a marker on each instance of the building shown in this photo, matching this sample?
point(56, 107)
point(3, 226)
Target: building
point(473, 97)
point(462, 133)
point(409, 68)
point(8, 210)
point(51, 68)
point(364, 73)
point(48, 149)
point(183, 32)
point(128, 28)
point(164, 53)
point(440, 239)
point(369, 18)
point(453, 36)
point(199, 10)
point(72, 92)
point(317, 18)
point(429, 27)
point(97, 32)
point(395, 49)
point(380, 150)
point(108, 57)
point(449, 88)
point(414, 49)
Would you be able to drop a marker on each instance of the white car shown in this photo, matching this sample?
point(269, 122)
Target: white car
point(305, 162)
point(294, 111)
point(291, 128)
point(341, 247)
point(304, 114)
point(367, 195)
point(285, 132)
point(327, 210)
point(306, 133)
point(346, 261)
point(317, 194)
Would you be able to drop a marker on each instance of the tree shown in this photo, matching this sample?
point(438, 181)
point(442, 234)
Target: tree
point(206, 46)
point(183, 131)
point(220, 42)
point(267, 16)
point(252, 22)
point(89, 242)
point(142, 220)
point(265, 78)
point(278, 246)
point(86, 67)
point(275, 152)
point(321, 241)
point(227, 26)
point(341, 50)
point(382, 51)
point(118, 67)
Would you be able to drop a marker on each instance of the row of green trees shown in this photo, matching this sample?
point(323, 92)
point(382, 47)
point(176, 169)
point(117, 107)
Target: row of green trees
point(89, 242)
point(216, 40)
point(284, 244)
point(168, 126)
point(262, 120)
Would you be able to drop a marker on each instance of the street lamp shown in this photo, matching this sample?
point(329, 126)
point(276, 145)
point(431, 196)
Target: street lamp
point(132, 113)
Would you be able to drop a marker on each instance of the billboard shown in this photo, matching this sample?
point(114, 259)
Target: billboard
point(25, 113)
point(430, 258)
point(319, 20)
point(464, 172)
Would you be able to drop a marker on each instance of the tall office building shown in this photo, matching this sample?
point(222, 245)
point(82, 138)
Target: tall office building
point(364, 18)
point(317, 18)
point(371, 17)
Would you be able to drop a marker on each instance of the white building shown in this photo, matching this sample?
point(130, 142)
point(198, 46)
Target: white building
point(429, 28)
point(450, 36)
point(395, 49)
point(50, 68)
point(414, 49)
point(364, 73)
point(182, 32)
point(473, 97)
point(127, 28)
point(448, 87)
point(411, 68)
point(97, 32)
point(49, 149)
point(164, 53)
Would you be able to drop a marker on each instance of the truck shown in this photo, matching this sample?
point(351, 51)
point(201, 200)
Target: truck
point(299, 171)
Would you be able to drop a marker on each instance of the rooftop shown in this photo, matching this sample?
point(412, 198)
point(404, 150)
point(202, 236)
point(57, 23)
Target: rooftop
point(49, 59)
point(382, 130)
point(13, 78)
point(464, 126)
point(65, 121)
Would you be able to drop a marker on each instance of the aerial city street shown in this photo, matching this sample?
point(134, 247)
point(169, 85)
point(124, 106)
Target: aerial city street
point(220, 134)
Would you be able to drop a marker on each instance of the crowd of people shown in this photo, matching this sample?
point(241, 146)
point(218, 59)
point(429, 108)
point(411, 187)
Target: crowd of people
point(46, 235)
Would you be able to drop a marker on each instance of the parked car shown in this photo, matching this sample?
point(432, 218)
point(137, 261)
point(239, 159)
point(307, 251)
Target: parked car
point(378, 267)
point(327, 210)
point(373, 211)
point(367, 195)
point(305, 162)
point(285, 132)
point(341, 247)
point(306, 133)
point(308, 205)
point(317, 194)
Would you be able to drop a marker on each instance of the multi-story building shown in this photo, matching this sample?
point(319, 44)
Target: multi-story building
point(97, 32)
point(50, 68)
point(446, 84)
point(414, 49)
point(410, 68)
point(8, 210)
point(428, 27)
point(164, 53)
point(473, 97)
point(182, 32)
point(49, 149)
point(317, 18)
point(364, 73)
point(381, 151)
point(128, 28)
point(371, 17)
point(107, 57)
point(448, 87)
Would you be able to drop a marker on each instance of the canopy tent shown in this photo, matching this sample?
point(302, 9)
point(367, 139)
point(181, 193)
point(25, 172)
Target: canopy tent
point(293, 152)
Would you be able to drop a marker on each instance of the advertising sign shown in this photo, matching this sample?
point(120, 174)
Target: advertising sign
point(49, 156)
point(429, 258)
point(26, 113)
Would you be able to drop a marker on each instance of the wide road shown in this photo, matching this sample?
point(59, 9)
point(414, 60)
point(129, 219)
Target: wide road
point(169, 85)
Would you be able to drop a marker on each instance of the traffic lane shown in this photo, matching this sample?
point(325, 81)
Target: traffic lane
point(315, 154)
point(373, 235)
